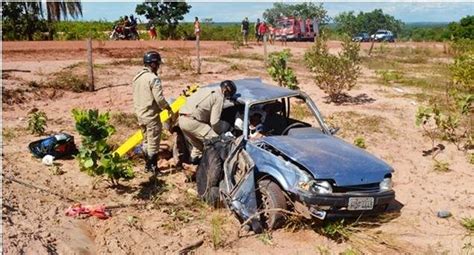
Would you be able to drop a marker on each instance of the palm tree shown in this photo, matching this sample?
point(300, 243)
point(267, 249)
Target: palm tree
point(56, 10)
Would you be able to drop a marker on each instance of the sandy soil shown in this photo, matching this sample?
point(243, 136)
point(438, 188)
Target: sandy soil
point(163, 218)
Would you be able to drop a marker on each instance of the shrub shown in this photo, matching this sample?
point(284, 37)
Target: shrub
point(67, 80)
point(388, 76)
point(462, 71)
point(37, 122)
point(334, 73)
point(279, 70)
point(441, 166)
point(95, 155)
point(182, 64)
point(462, 46)
point(452, 121)
point(360, 142)
point(217, 238)
point(336, 230)
point(468, 223)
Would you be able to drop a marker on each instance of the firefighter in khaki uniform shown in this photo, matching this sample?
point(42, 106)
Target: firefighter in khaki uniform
point(148, 102)
point(200, 116)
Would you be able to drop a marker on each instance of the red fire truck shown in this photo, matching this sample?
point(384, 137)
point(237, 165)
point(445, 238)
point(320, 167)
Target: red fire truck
point(296, 29)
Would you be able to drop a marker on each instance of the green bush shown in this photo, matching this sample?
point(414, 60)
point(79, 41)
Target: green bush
point(37, 122)
point(334, 73)
point(279, 70)
point(360, 142)
point(462, 71)
point(387, 76)
point(80, 30)
point(95, 155)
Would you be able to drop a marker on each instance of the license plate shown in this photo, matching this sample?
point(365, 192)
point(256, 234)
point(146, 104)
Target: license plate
point(360, 203)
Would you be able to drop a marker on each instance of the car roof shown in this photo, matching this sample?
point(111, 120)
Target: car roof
point(253, 90)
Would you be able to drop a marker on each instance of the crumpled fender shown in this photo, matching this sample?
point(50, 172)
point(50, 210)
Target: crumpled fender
point(241, 197)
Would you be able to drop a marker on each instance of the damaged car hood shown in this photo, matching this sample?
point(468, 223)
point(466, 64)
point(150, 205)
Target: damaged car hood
point(328, 157)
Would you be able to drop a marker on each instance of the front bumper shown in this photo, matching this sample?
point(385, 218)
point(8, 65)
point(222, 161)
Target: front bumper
point(336, 204)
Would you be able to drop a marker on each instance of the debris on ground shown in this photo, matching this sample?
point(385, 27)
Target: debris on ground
point(444, 214)
point(98, 211)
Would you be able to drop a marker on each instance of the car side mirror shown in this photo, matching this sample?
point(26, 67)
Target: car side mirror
point(334, 130)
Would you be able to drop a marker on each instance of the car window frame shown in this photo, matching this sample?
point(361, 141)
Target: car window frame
point(286, 109)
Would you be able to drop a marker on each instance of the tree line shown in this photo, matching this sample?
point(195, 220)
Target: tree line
point(39, 20)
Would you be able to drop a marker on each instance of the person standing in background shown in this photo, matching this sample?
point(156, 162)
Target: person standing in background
point(197, 27)
point(262, 31)
point(244, 29)
point(257, 35)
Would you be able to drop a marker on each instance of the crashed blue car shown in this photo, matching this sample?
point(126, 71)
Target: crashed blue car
point(292, 163)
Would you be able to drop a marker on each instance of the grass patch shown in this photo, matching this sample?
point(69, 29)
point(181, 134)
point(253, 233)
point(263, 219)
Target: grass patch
point(265, 238)
point(217, 231)
point(9, 134)
point(441, 166)
point(376, 63)
point(336, 230)
point(67, 80)
point(323, 250)
point(84, 64)
point(241, 55)
point(182, 64)
point(360, 142)
point(353, 123)
point(216, 60)
point(389, 76)
point(433, 82)
point(127, 62)
point(416, 59)
point(468, 223)
point(349, 251)
point(237, 67)
point(177, 217)
point(123, 119)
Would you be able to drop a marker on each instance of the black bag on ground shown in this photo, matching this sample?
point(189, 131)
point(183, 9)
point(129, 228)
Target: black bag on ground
point(210, 170)
point(59, 146)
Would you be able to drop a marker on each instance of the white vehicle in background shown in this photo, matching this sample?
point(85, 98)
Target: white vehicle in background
point(383, 36)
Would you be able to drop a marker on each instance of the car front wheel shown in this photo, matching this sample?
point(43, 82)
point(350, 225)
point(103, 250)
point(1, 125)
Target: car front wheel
point(272, 202)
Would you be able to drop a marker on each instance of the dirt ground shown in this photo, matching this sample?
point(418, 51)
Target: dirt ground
point(163, 217)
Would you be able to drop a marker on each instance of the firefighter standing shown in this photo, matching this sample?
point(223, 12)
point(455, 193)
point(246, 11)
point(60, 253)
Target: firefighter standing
point(200, 116)
point(148, 102)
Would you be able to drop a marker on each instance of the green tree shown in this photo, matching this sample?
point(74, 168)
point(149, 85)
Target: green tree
point(463, 29)
point(26, 18)
point(334, 73)
point(21, 20)
point(165, 15)
point(55, 10)
point(347, 22)
point(370, 22)
point(303, 10)
point(279, 70)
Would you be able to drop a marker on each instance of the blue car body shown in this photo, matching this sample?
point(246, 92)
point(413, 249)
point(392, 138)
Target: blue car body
point(300, 160)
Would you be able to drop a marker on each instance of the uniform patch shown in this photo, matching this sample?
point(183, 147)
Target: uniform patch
point(157, 82)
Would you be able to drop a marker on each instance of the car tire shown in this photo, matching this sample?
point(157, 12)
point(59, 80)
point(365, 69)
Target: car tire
point(271, 197)
point(208, 175)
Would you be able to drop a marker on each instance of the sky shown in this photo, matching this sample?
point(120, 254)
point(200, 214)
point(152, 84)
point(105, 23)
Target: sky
point(234, 12)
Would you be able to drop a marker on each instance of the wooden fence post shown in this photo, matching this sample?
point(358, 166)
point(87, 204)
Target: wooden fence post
point(198, 49)
point(91, 65)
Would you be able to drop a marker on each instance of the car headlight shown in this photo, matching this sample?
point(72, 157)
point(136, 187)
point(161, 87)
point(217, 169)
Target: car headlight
point(321, 187)
point(386, 184)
